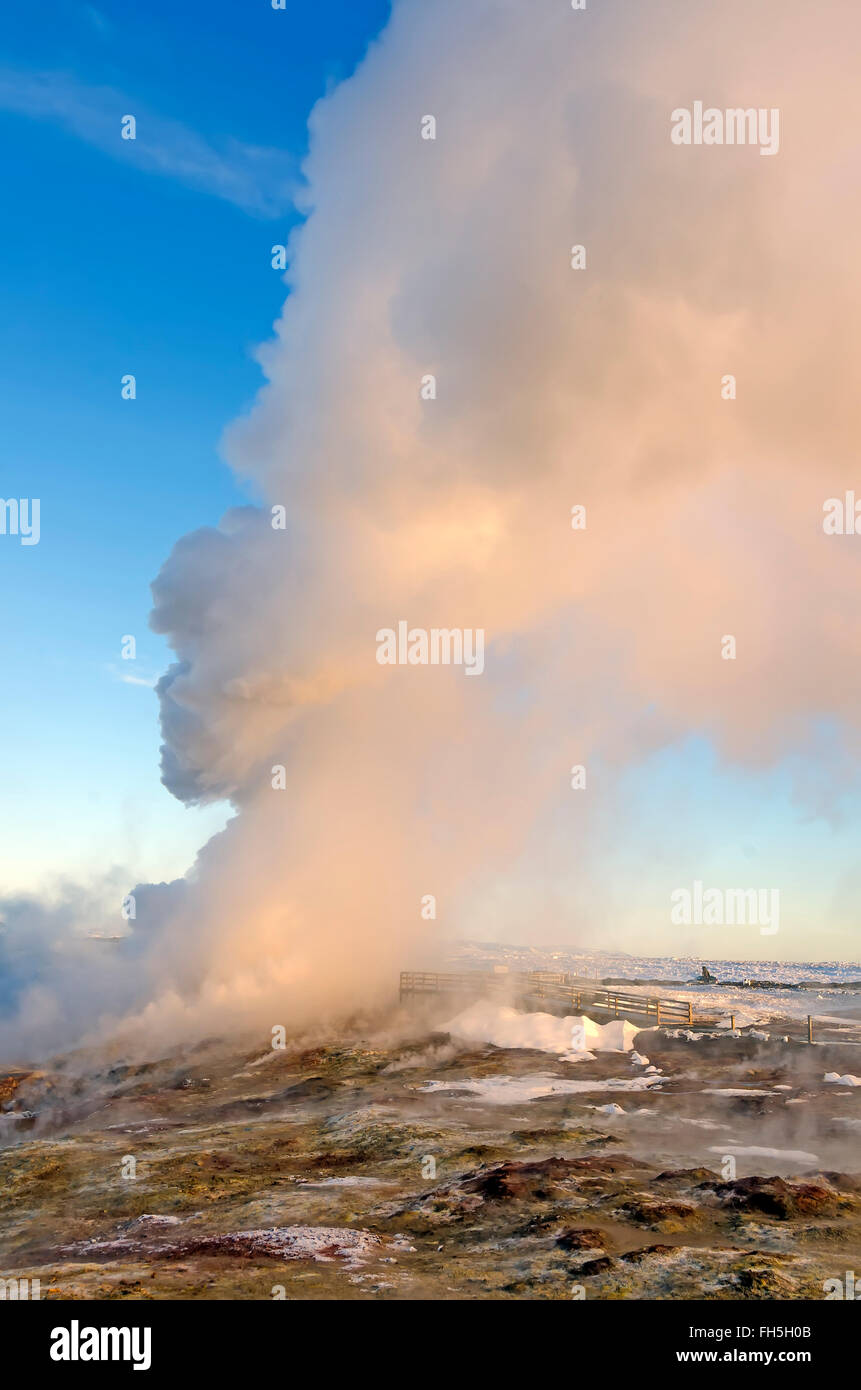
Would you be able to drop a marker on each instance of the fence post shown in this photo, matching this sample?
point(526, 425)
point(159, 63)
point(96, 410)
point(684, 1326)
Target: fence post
point(810, 1028)
point(658, 1012)
point(690, 1013)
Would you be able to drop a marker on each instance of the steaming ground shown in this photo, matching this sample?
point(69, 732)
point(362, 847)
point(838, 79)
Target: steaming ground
point(398, 1160)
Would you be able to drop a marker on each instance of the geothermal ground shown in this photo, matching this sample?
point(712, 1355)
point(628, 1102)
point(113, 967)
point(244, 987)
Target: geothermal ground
point(403, 1164)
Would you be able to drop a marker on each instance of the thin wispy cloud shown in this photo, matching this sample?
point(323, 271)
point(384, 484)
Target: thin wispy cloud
point(260, 180)
point(126, 678)
point(139, 680)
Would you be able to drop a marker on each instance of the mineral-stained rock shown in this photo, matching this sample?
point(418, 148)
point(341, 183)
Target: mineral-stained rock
point(345, 1158)
point(775, 1197)
point(287, 1243)
point(543, 1180)
point(820, 1235)
point(475, 1152)
point(11, 1080)
point(662, 1215)
point(312, 1088)
point(686, 1175)
point(539, 1179)
point(222, 1204)
point(281, 1242)
point(581, 1240)
point(637, 1256)
point(844, 1182)
point(608, 1164)
point(540, 1223)
point(762, 1282)
point(504, 1181)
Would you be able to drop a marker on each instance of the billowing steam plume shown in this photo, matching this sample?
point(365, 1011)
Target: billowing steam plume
point(554, 387)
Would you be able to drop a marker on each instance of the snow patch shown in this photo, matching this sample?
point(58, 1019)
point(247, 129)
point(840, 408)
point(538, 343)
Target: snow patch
point(574, 1038)
point(742, 1020)
point(148, 1219)
point(352, 1181)
point(512, 1090)
point(727, 1091)
point(755, 1151)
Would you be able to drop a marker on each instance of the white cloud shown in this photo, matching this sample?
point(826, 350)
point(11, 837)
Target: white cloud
point(260, 180)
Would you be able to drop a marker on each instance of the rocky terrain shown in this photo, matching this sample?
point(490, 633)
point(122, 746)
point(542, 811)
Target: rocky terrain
point(397, 1163)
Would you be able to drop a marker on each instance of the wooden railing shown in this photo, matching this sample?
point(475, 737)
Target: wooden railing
point(549, 987)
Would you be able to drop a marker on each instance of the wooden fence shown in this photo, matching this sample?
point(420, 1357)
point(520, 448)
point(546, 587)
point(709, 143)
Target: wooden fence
point(548, 987)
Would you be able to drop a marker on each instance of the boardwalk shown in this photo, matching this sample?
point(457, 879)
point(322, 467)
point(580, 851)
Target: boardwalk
point(549, 991)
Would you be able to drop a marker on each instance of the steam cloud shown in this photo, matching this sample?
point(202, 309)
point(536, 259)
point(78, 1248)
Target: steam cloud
point(555, 387)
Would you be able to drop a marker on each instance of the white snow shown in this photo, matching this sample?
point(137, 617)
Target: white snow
point(712, 1091)
point(755, 1151)
point(512, 1090)
point(152, 1220)
point(597, 963)
point(835, 1079)
point(487, 1022)
point(324, 1243)
point(353, 1181)
point(741, 1021)
point(755, 1006)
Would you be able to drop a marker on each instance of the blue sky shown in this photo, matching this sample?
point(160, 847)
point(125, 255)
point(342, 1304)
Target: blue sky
point(153, 258)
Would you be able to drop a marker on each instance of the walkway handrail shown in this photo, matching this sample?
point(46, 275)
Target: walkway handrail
point(552, 986)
